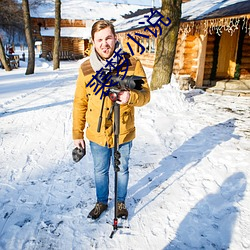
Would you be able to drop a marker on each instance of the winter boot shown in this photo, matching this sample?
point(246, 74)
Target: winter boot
point(97, 210)
point(122, 211)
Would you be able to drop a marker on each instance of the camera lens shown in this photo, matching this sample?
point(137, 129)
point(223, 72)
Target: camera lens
point(113, 96)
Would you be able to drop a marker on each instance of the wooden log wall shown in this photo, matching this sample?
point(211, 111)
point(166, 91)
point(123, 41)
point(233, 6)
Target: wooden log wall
point(147, 59)
point(50, 22)
point(148, 56)
point(209, 56)
point(79, 46)
point(47, 45)
point(66, 44)
point(190, 56)
point(73, 45)
point(186, 55)
point(245, 60)
point(186, 52)
point(178, 61)
point(124, 41)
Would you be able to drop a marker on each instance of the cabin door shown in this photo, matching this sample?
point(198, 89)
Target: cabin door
point(227, 54)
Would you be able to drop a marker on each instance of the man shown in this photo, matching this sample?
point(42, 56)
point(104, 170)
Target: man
point(87, 106)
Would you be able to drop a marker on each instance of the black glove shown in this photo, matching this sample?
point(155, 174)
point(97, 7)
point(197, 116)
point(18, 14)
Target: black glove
point(78, 153)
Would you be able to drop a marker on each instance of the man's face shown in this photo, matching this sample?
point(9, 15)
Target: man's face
point(104, 42)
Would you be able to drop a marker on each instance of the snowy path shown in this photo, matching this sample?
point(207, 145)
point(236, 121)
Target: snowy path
point(189, 171)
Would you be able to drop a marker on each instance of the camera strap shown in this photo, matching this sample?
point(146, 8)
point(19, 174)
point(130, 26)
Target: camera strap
point(111, 111)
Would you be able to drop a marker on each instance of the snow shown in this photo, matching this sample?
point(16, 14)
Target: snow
point(84, 33)
point(150, 3)
point(136, 22)
point(196, 9)
point(192, 10)
point(189, 169)
point(86, 10)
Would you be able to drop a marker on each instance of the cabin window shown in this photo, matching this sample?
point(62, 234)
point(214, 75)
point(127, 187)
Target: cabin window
point(139, 48)
point(148, 44)
point(152, 45)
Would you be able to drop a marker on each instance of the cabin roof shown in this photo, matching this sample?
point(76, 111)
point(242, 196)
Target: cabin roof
point(208, 9)
point(77, 32)
point(84, 10)
point(193, 10)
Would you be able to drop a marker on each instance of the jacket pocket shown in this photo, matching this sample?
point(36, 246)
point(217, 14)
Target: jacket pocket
point(127, 120)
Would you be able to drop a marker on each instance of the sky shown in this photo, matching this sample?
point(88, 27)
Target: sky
point(189, 169)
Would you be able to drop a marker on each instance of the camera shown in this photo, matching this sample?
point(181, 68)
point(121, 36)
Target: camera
point(117, 83)
point(78, 153)
point(120, 82)
point(129, 82)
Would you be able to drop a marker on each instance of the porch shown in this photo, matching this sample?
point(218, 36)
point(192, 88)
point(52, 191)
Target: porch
point(231, 87)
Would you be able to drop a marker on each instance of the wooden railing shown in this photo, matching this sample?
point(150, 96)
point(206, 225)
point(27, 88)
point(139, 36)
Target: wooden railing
point(64, 55)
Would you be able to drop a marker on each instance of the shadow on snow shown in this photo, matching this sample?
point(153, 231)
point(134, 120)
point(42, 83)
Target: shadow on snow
point(210, 223)
point(190, 153)
point(23, 110)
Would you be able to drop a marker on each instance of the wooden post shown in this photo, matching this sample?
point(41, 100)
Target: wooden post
point(201, 60)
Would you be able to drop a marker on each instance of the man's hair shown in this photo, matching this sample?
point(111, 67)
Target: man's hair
point(100, 25)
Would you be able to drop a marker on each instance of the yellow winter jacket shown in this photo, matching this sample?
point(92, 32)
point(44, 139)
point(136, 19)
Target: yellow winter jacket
point(87, 107)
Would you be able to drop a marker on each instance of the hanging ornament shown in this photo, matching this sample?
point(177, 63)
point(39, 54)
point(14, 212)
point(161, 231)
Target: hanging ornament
point(217, 25)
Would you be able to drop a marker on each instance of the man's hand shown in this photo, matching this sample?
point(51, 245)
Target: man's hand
point(79, 151)
point(123, 97)
point(79, 143)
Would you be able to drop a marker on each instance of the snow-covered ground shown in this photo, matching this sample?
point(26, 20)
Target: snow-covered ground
point(189, 169)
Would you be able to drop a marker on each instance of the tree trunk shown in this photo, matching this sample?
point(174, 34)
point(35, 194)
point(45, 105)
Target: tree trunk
point(166, 44)
point(56, 59)
point(29, 38)
point(3, 57)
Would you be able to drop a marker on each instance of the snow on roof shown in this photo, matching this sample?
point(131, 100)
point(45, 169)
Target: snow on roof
point(138, 2)
point(85, 10)
point(80, 32)
point(192, 10)
point(132, 23)
point(197, 9)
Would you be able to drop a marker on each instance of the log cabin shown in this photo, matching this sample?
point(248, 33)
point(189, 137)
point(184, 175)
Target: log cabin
point(213, 42)
point(77, 19)
point(74, 37)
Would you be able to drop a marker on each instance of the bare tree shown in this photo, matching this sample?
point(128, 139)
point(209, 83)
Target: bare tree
point(166, 44)
point(56, 59)
point(36, 3)
point(11, 16)
point(11, 24)
point(28, 33)
point(3, 57)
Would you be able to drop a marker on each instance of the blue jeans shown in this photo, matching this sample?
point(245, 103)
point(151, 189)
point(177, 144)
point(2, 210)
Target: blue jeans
point(102, 158)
